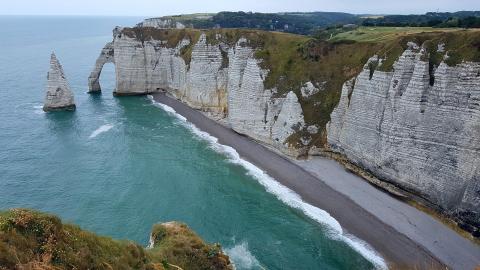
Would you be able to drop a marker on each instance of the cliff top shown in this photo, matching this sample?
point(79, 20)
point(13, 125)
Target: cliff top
point(377, 34)
point(34, 240)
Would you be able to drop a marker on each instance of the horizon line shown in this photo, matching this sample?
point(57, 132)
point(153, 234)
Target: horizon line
point(122, 15)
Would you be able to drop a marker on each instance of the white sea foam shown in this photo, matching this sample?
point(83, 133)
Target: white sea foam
point(241, 256)
point(282, 192)
point(38, 109)
point(101, 130)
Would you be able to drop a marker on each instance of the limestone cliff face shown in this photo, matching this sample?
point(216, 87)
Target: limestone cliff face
point(161, 23)
point(419, 132)
point(252, 110)
point(206, 78)
point(58, 96)
point(223, 80)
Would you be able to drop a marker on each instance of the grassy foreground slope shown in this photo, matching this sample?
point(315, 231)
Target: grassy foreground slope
point(293, 60)
point(34, 240)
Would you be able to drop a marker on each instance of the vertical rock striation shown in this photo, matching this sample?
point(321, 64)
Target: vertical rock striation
point(206, 78)
point(254, 111)
point(423, 138)
point(59, 96)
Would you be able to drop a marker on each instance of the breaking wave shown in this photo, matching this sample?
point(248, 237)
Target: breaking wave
point(100, 130)
point(38, 109)
point(242, 257)
point(282, 192)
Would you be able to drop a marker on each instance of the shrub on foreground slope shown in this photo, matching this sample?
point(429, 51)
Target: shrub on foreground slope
point(34, 240)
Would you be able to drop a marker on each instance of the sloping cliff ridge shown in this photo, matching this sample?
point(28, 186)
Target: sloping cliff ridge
point(410, 116)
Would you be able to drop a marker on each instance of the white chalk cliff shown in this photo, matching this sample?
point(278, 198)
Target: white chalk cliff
point(161, 23)
point(415, 127)
point(59, 96)
point(421, 135)
point(225, 81)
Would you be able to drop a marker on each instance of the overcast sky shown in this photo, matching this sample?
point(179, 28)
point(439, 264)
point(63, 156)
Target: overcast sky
point(170, 7)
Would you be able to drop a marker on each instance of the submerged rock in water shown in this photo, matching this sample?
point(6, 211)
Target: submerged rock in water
point(59, 96)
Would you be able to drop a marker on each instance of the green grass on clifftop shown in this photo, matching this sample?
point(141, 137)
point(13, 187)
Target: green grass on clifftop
point(382, 34)
point(460, 44)
point(177, 244)
point(34, 240)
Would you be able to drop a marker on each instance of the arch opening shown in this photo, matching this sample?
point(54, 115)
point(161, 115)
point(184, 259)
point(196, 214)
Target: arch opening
point(106, 56)
point(107, 77)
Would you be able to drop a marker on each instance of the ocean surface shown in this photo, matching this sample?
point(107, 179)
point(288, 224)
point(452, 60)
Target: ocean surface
point(116, 166)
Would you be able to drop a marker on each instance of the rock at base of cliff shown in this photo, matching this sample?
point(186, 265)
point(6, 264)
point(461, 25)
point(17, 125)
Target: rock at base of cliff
point(59, 96)
point(59, 109)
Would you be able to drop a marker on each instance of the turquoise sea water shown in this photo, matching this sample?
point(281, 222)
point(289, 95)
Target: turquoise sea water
point(116, 166)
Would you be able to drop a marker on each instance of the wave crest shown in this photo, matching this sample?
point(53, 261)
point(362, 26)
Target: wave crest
point(101, 130)
point(242, 257)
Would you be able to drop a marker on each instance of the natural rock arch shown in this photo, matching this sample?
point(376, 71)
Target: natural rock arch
point(106, 56)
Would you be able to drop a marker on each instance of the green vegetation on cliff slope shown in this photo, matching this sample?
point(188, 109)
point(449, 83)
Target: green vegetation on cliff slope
point(293, 60)
point(460, 45)
point(33, 240)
